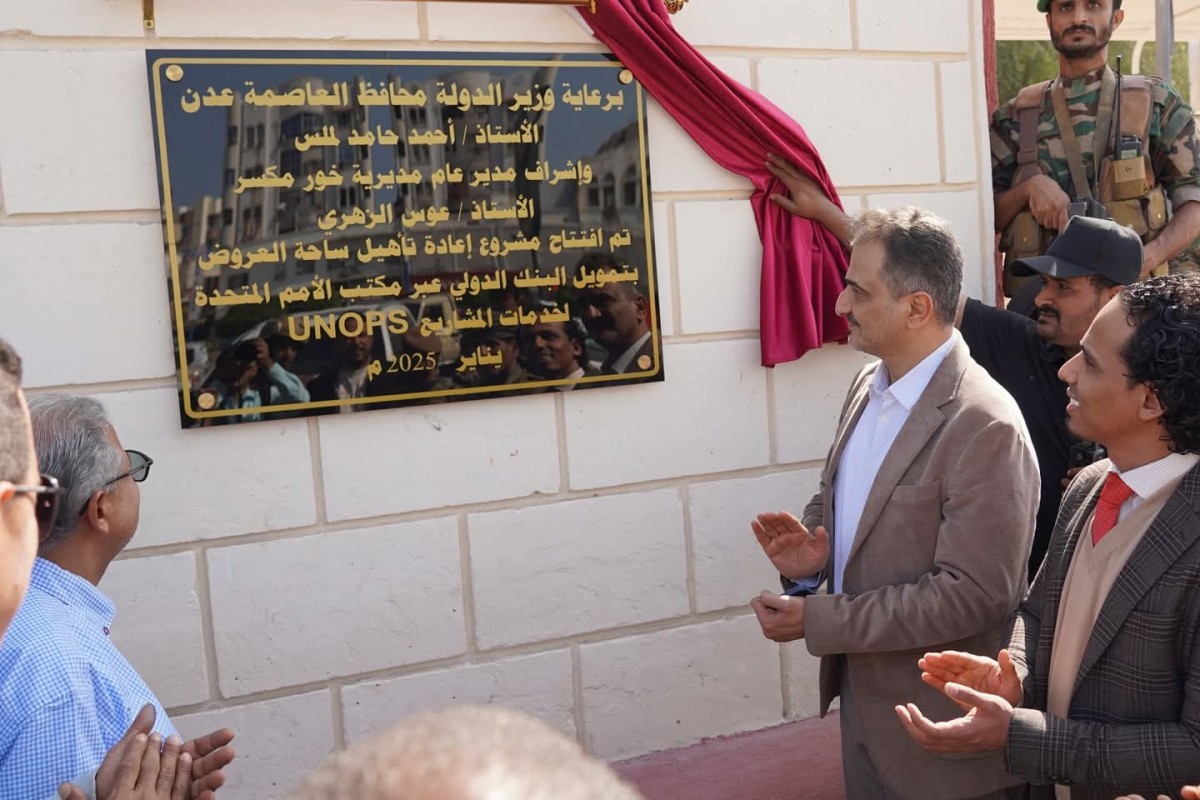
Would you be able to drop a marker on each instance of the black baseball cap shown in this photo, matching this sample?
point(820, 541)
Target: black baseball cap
point(1088, 246)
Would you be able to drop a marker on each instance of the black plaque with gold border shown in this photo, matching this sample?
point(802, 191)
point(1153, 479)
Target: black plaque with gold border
point(353, 231)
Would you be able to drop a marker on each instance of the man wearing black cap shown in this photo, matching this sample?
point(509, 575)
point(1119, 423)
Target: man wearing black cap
point(1085, 267)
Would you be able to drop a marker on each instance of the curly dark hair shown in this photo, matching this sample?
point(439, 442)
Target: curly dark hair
point(1164, 352)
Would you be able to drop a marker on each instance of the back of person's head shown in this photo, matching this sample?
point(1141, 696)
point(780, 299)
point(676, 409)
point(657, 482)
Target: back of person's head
point(1163, 351)
point(71, 433)
point(14, 421)
point(921, 255)
point(465, 753)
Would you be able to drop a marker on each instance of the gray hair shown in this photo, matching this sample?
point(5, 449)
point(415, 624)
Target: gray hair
point(922, 255)
point(14, 422)
point(465, 753)
point(71, 436)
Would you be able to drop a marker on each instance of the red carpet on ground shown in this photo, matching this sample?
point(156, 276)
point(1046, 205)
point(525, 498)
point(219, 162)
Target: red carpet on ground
point(797, 761)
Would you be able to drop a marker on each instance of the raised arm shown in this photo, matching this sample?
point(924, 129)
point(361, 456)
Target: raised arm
point(806, 199)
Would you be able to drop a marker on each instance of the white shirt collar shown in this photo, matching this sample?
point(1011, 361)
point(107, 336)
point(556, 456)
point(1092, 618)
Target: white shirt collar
point(566, 387)
point(908, 390)
point(1149, 478)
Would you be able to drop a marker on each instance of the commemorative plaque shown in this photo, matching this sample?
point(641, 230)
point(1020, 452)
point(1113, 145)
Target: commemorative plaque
point(354, 231)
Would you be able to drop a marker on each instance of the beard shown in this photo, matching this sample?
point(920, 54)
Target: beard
point(1099, 41)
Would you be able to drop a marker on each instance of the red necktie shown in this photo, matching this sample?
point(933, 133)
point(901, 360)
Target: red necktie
point(1108, 507)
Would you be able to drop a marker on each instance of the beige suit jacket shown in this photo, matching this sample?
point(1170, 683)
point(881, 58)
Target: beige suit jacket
point(938, 563)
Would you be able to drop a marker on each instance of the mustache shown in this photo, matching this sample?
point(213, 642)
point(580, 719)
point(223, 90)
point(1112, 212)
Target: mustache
point(1079, 29)
point(1049, 312)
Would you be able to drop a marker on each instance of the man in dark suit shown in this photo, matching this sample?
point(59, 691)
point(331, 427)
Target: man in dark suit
point(1098, 691)
point(617, 315)
point(923, 520)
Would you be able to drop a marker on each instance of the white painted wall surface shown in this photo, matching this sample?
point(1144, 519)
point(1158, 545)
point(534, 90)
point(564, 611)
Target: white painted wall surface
point(585, 557)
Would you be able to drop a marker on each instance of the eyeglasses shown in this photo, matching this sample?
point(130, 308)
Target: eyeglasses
point(45, 503)
point(139, 470)
point(139, 467)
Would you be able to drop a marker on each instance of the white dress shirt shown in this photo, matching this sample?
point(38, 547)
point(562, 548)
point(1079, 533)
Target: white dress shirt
point(350, 384)
point(1147, 479)
point(885, 414)
point(574, 376)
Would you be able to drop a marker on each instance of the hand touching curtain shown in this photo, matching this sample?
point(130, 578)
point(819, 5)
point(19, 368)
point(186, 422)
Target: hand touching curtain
point(803, 263)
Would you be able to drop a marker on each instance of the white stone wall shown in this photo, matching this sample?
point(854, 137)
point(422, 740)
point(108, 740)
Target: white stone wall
point(585, 557)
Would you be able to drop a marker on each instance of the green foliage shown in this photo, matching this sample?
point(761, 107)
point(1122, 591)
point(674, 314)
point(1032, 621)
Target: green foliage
point(1019, 64)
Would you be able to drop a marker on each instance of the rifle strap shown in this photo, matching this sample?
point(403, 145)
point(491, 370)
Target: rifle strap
point(1028, 105)
point(1102, 139)
point(1066, 131)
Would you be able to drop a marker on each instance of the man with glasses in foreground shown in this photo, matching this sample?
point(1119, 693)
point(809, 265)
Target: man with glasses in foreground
point(67, 695)
point(25, 503)
point(28, 510)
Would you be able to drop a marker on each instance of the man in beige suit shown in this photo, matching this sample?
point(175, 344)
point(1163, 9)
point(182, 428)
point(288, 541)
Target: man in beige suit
point(922, 525)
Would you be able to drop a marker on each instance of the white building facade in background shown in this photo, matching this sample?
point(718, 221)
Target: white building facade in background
point(585, 556)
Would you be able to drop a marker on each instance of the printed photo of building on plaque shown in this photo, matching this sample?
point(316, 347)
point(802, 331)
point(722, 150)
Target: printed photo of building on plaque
point(353, 231)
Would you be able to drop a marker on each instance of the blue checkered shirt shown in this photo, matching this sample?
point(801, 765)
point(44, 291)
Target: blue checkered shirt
point(66, 693)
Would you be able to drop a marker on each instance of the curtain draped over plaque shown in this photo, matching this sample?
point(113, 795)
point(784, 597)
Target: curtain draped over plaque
point(802, 263)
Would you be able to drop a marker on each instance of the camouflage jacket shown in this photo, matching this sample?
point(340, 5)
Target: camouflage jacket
point(1174, 146)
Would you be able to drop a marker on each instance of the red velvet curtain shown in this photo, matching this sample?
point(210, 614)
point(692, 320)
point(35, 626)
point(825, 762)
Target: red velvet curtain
point(993, 102)
point(803, 263)
point(989, 56)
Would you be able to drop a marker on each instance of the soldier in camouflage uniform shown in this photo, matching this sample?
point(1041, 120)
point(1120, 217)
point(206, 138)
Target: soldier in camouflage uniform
point(1080, 31)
